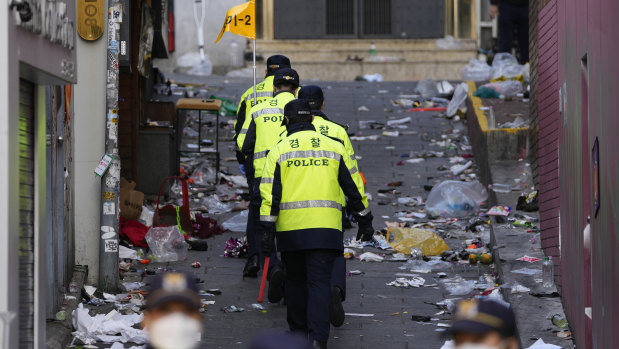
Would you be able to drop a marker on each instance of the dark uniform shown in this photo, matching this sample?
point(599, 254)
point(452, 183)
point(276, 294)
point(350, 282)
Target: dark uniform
point(264, 92)
point(513, 14)
point(305, 181)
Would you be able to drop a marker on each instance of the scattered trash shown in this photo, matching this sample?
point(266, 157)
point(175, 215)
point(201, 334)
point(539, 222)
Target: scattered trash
point(476, 70)
point(237, 223)
point(459, 97)
point(505, 67)
point(257, 306)
point(427, 88)
point(404, 240)
point(520, 289)
point(457, 286)
point(448, 43)
point(508, 88)
point(415, 161)
point(196, 264)
point(527, 271)
point(363, 108)
point(459, 169)
point(235, 248)
point(232, 309)
point(559, 321)
point(167, 244)
point(421, 318)
point(403, 282)
point(528, 259)
point(373, 77)
point(540, 344)
point(127, 253)
point(370, 257)
point(111, 327)
point(455, 199)
point(528, 202)
point(499, 211)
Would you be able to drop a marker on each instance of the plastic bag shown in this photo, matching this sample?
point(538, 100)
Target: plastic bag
point(167, 244)
point(214, 205)
point(508, 88)
point(427, 88)
point(203, 175)
point(238, 223)
point(460, 95)
point(505, 66)
point(455, 199)
point(448, 43)
point(476, 70)
point(404, 240)
point(420, 266)
point(458, 286)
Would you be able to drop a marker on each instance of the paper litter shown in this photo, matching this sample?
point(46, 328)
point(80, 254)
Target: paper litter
point(112, 327)
point(371, 257)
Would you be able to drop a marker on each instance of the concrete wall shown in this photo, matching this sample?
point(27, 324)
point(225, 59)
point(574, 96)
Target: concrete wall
point(89, 141)
point(186, 37)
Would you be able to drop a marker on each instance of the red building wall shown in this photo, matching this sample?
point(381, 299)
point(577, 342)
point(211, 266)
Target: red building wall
point(588, 78)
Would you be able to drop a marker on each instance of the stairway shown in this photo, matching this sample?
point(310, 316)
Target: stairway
point(395, 60)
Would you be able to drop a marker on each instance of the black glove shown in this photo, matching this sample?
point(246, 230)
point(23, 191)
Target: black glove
point(366, 231)
point(267, 244)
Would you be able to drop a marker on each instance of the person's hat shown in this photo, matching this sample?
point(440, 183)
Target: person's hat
point(172, 287)
point(286, 75)
point(313, 95)
point(276, 62)
point(297, 108)
point(483, 316)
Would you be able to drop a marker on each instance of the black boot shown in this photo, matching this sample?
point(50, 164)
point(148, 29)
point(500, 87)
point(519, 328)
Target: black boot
point(336, 312)
point(319, 345)
point(276, 285)
point(252, 267)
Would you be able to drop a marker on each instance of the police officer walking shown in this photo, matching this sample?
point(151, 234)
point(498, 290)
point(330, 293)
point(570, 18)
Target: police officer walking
point(264, 91)
point(315, 98)
point(264, 131)
point(305, 180)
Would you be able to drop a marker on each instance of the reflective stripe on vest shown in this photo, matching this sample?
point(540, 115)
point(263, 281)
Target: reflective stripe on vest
point(309, 154)
point(268, 218)
point(259, 95)
point(261, 154)
point(309, 204)
point(267, 111)
point(267, 180)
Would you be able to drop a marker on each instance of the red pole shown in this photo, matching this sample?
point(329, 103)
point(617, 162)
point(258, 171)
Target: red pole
point(265, 271)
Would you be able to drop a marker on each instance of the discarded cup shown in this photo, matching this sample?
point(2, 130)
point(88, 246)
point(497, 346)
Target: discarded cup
point(416, 253)
point(559, 321)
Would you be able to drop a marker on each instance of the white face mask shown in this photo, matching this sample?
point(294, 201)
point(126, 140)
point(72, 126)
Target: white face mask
point(175, 331)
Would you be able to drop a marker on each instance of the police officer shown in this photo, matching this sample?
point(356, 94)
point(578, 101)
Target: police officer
point(305, 180)
point(264, 131)
point(315, 98)
point(264, 91)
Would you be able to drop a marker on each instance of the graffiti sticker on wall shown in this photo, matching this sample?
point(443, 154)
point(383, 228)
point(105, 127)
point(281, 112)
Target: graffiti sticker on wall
point(111, 245)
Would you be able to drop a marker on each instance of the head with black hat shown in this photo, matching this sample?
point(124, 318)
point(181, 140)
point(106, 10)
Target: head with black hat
point(285, 79)
point(484, 324)
point(297, 111)
point(172, 318)
point(314, 96)
point(276, 62)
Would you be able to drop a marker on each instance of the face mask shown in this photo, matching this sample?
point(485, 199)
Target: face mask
point(175, 331)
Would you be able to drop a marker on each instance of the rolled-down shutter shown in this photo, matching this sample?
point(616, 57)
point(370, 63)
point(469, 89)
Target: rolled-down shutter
point(26, 214)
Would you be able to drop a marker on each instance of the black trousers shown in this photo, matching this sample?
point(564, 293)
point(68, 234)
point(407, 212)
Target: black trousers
point(308, 291)
point(254, 236)
point(514, 17)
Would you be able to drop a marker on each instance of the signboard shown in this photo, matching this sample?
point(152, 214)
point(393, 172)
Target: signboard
point(90, 19)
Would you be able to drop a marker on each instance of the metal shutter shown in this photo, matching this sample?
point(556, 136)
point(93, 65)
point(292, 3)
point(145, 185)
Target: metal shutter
point(299, 19)
point(26, 214)
point(341, 17)
point(418, 18)
point(376, 17)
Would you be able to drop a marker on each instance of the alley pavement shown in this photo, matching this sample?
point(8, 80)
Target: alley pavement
point(380, 316)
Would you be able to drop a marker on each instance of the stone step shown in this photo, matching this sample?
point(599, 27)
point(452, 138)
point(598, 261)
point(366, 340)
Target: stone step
point(340, 55)
point(361, 45)
point(396, 71)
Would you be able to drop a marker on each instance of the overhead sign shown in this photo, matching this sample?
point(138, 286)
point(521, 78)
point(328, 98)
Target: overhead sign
point(240, 20)
point(90, 19)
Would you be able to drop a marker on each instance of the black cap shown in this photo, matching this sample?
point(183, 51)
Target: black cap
point(313, 95)
point(276, 62)
point(481, 316)
point(286, 75)
point(172, 287)
point(297, 110)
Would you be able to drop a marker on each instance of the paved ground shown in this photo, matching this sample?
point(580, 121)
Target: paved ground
point(391, 325)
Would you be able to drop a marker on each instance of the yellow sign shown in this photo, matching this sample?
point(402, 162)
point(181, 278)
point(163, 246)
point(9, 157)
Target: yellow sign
point(241, 20)
point(90, 19)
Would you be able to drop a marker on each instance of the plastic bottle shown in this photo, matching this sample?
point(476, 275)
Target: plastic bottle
point(547, 273)
point(372, 49)
point(491, 119)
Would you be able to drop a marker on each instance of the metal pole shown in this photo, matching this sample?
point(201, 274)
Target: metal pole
point(110, 193)
point(255, 93)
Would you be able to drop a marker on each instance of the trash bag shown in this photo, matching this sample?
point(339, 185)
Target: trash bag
point(460, 95)
point(167, 244)
point(505, 66)
point(227, 105)
point(427, 88)
point(448, 43)
point(214, 205)
point(203, 175)
point(404, 240)
point(238, 223)
point(205, 227)
point(508, 88)
point(455, 199)
point(476, 70)
point(457, 286)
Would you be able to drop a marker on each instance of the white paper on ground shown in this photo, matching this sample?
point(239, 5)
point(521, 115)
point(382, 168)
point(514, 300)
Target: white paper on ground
point(371, 257)
point(450, 344)
point(127, 253)
point(541, 345)
point(90, 329)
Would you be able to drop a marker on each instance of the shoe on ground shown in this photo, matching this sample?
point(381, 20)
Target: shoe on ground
point(336, 312)
point(252, 267)
point(276, 285)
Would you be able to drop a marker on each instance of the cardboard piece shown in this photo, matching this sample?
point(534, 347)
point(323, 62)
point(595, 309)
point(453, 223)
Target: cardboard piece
point(131, 200)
